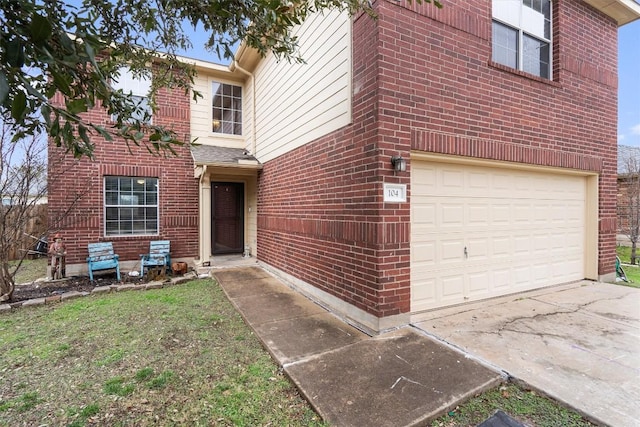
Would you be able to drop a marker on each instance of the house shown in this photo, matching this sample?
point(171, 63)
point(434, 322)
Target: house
point(428, 158)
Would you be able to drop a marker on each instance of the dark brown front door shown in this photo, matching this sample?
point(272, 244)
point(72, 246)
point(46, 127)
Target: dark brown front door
point(227, 219)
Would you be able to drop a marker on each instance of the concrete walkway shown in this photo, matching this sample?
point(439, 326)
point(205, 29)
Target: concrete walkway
point(579, 343)
point(397, 379)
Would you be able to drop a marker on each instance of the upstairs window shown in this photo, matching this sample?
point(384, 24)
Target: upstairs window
point(227, 109)
point(131, 206)
point(522, 35)
point(138, 87)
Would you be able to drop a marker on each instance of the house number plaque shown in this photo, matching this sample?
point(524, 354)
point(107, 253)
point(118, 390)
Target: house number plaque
point(395, 193)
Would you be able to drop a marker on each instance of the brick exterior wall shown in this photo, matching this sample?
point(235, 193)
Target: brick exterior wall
point(424, 80)
point(76, 194)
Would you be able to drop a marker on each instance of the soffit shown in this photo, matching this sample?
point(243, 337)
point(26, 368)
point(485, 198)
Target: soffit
point(246, 57)
point(623, 11)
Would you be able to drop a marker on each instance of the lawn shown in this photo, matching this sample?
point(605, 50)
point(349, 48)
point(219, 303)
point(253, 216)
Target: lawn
point(178, 356)
point(528, 407)
point(632, 271)
point(175, 356)
point(30, 270)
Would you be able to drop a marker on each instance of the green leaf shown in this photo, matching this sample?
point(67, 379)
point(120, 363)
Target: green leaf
point(55, 127)
point(82, 131)
point(4, 88)
point(76, 106)
point(15, 53)
point(40, 29)
point(60, 81)
point(19, 106)
point(67, 132)
point(46, 114)
point(91, 53)
point(66, 42)
point(103, 132)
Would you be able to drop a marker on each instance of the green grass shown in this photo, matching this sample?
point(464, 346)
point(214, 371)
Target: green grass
point(30, 270)
point(161, 381)
point(117, 387)
point(624, 253)
point(632, 271)
point(114, 356)
point(179, 356)
point(81, 416)
point(144, 374)
point(633, 274)
point(21, 403)
point(526, 406)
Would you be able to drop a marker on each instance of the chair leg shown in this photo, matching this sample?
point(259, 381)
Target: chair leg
point(90, 274)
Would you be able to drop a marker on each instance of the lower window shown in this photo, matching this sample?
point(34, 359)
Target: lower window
point(131, 205)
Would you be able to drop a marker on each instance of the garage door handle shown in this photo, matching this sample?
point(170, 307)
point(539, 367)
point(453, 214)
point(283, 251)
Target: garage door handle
point(466, 255)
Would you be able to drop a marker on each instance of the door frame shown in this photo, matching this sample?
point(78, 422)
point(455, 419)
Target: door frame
point(240, 206)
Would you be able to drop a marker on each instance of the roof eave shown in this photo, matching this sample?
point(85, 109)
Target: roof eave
point(623, 11)
point(255, 166)
point(247, 57)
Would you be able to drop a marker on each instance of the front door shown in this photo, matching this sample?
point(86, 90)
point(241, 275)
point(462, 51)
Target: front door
point(227, 208)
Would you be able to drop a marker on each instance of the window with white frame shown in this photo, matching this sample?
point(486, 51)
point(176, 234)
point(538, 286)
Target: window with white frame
point(138, 87)
point(522, 35)
point(131, 205)
point(227, 108)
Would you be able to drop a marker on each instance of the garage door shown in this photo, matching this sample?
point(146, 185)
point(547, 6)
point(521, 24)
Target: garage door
point(480, 232)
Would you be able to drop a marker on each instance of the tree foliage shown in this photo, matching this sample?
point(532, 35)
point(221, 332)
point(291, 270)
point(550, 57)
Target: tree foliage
point(75, 48)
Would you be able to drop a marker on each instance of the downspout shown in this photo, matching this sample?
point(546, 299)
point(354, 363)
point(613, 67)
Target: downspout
point(253, 105)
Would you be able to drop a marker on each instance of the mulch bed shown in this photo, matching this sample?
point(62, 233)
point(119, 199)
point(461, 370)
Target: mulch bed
point(76, 283)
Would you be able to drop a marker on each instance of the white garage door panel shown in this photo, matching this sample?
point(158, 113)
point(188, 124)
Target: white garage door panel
point(479, 232)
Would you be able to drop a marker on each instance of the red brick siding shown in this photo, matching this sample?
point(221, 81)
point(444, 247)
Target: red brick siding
point(318, 218)
point(476, 108)
point(71, 179)
point(424, 80)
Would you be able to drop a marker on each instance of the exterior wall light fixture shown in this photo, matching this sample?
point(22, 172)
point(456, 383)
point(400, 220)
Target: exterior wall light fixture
point(399, 164)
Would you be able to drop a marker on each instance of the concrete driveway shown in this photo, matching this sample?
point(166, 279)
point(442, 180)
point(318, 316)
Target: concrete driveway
point(578, 343)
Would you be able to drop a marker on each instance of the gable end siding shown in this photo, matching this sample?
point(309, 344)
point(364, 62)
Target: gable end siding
point(297, 103)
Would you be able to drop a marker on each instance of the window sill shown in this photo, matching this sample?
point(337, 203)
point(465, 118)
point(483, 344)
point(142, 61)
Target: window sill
point(122, 237)
point(523, 74)
point(225, 135)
